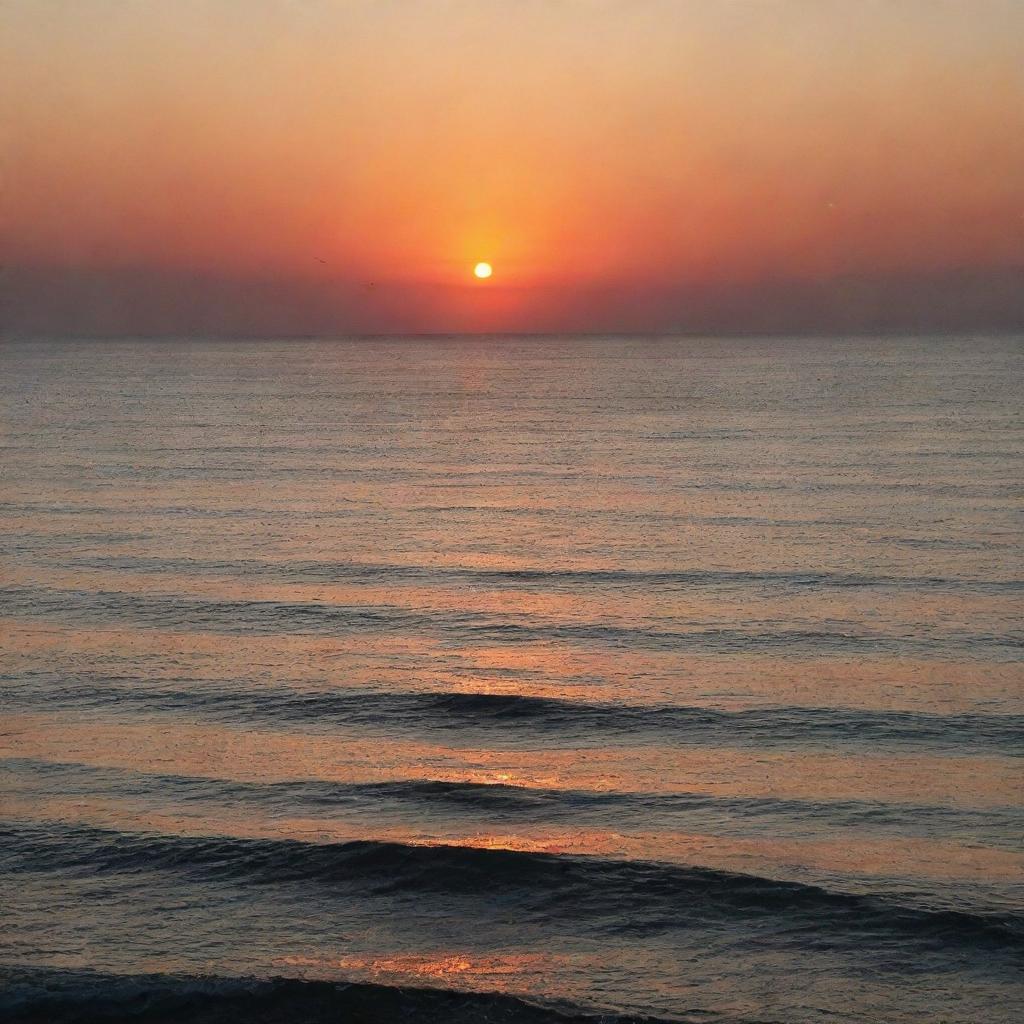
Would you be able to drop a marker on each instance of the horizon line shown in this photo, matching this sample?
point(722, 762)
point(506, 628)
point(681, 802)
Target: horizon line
point(896, 332)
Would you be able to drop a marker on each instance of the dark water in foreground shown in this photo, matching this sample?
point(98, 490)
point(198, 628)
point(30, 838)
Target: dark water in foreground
point(512, 680)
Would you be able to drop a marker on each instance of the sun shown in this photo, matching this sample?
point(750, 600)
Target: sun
point(483, 270)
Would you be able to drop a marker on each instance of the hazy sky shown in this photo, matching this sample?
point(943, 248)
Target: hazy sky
point(288, 167)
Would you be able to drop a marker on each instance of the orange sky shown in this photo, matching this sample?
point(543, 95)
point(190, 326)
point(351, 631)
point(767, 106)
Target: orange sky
point(620, 162)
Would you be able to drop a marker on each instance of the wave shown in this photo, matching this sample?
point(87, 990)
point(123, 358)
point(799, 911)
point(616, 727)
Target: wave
point(539, 717)
point(503, 802)
point(624, 897)
point(48, 996)
point(371, 573)
point(320, 618)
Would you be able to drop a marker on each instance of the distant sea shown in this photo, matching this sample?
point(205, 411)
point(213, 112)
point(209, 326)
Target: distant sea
point(512, 679)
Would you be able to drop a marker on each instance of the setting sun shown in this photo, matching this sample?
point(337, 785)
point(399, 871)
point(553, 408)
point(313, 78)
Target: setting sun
point(483, 270)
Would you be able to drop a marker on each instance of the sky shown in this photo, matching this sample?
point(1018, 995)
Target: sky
point(313, 167)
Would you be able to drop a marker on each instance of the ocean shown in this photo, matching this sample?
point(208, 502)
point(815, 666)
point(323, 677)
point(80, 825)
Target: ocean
point(512, 679)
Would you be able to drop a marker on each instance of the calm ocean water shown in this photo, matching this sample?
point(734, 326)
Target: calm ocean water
point(667, 678)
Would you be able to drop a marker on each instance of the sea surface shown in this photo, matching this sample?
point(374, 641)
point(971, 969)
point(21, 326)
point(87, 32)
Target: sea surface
point(512, 679)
